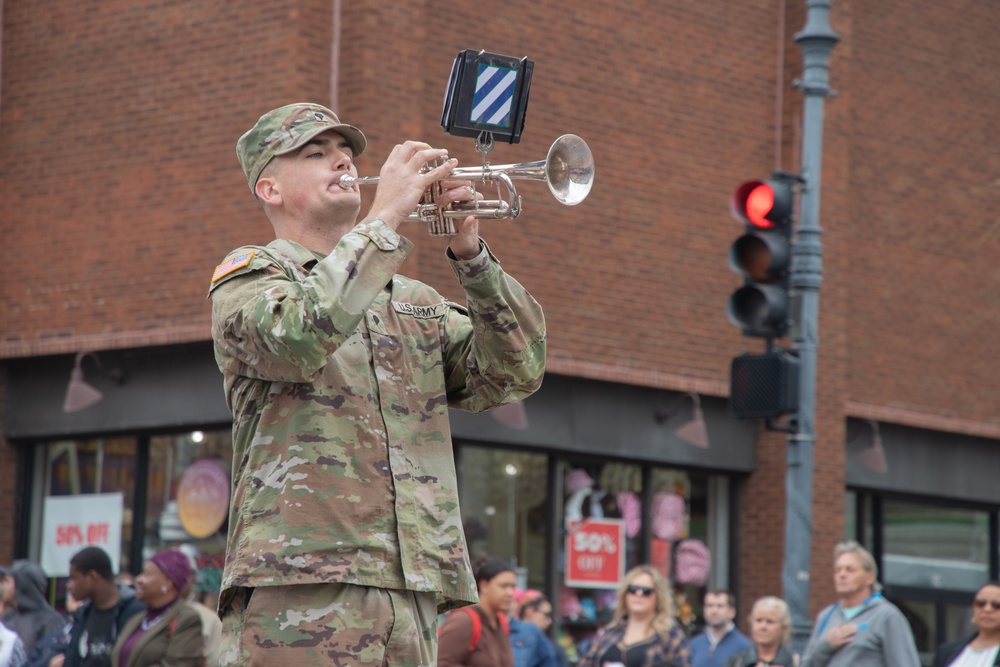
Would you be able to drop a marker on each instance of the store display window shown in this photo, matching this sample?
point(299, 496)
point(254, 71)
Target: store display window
point(935, 547)
point(88, 467)
point(599, 496)
point(608, 517)
point(932, 557)
point(167, 491)
point(188, 501)
point(503, 499)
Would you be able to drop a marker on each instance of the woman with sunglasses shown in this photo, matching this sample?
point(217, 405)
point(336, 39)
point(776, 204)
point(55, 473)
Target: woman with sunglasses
point(642, 632)
point(983, 648)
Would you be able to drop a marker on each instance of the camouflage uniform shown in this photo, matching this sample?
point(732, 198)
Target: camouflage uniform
point(339, 374)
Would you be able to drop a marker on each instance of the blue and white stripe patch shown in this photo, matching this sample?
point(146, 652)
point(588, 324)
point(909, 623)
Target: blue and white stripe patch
point(494, 95)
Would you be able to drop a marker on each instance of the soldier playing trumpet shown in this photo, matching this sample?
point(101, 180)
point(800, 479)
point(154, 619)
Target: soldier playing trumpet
point(345, 540)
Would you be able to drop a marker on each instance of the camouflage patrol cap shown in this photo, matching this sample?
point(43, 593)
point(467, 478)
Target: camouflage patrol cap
point(286, 128)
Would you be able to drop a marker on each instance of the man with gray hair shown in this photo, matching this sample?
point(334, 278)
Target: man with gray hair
point(862, 629)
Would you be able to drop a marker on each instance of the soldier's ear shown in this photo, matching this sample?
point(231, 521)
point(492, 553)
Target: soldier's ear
point(268, 191)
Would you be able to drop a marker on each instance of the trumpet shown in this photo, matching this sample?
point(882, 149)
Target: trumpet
point(568, 169)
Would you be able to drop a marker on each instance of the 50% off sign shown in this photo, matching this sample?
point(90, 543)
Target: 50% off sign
point(595, 553)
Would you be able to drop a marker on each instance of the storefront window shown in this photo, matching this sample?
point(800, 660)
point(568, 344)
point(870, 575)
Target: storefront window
point(958, 621)
point(920, 615)
point(503, 496)
point(935, 547)
point(613, 492)
point(600, 539)
point(600, 531)
point(188, 501)
point(691, 559)
point(97, 466)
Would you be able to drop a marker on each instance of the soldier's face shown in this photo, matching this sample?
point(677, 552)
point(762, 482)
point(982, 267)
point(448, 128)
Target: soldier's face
point(308, 179)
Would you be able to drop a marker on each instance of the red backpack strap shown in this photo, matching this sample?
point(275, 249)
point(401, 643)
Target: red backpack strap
point(477, 626)
point(504, 623)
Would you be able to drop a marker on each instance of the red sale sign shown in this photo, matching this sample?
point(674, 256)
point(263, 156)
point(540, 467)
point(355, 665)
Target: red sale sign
point(595, 553)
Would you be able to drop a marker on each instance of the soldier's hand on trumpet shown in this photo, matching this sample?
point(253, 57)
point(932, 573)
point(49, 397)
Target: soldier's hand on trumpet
point(465, 243)
point(403, 180)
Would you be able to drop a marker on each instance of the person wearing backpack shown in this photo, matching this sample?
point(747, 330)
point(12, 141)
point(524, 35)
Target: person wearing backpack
point(477, 636)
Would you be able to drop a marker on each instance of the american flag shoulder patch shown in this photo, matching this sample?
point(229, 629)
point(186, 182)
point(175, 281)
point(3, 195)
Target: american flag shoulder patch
point(232, 264)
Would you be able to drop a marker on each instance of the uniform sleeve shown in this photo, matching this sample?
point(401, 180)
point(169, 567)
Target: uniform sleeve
point(494, 354)
point(453, 642)
point(270, 325)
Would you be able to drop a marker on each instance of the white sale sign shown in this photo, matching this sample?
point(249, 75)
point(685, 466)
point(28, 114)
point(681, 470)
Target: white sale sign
point(71, 523)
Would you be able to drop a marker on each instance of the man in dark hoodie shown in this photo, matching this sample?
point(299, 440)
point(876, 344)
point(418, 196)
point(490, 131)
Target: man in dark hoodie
point(26, 611)
point(108, 607)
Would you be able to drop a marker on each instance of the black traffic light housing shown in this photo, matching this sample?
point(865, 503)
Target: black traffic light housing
point(764, 385)
point(763, 256)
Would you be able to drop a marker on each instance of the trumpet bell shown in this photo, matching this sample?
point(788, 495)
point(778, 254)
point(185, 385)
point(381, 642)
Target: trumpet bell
point(569, 169)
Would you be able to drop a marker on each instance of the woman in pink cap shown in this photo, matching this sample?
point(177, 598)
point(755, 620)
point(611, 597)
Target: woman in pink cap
point(169, 633)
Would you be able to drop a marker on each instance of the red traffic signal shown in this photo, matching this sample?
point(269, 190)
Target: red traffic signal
point(762, 256)
point(763, 204)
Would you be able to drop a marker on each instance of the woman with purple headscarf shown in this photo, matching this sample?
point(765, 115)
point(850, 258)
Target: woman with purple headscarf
point(169, 633)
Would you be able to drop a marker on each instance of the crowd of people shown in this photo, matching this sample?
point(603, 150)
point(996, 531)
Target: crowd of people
point(860, 628)
point(156, 623)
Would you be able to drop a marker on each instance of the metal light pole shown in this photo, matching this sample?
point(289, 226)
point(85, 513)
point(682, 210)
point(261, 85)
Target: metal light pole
point(816, 40)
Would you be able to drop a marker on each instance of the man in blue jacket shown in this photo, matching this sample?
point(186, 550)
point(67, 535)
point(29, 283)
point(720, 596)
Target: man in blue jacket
point(96, 623)
point(721, 639)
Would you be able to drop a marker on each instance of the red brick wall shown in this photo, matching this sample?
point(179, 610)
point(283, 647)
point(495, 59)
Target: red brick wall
point(924, 209)
point(120, 190)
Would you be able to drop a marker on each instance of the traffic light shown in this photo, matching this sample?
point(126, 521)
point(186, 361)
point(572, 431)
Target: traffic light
point(763, 255)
